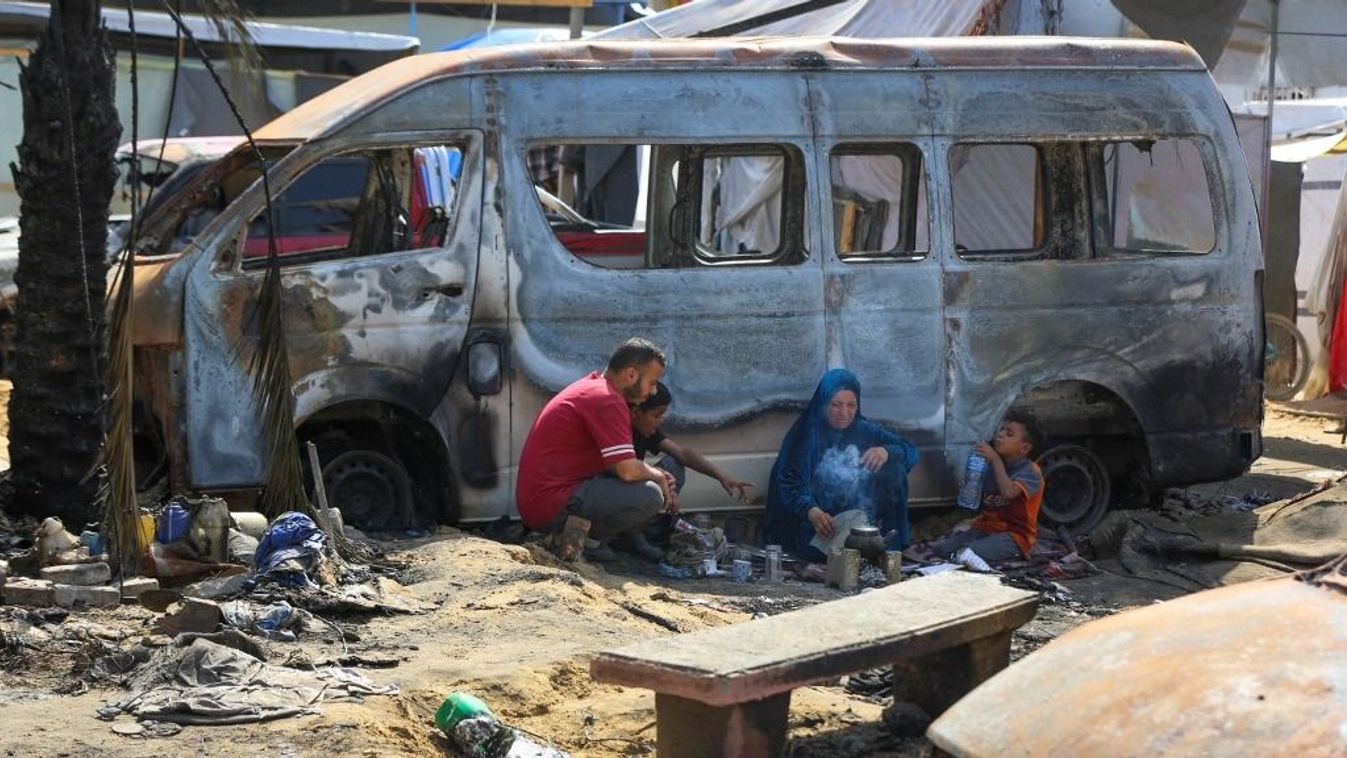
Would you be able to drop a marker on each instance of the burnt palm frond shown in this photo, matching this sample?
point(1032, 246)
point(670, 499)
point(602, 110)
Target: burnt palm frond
point(121, 512)
point(116, 459)
point(269, 367)
point(230, 23)
point(269, 364)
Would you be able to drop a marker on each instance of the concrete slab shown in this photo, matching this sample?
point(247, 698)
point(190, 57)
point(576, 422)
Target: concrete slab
point(83, 574)
point(755, 660)
point(34, 592)
point(133, 587)
point(78, 596)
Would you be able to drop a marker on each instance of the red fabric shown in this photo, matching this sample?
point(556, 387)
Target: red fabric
point(1337, 350)
point(580, 432)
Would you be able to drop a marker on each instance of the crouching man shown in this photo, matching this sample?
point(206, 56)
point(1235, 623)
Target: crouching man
point(578, 458)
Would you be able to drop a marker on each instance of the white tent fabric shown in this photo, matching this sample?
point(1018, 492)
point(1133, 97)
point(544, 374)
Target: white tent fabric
point(1325, 296)
point(750, 188)
point(853, 18)
point(1308, 55)
point(1303, 150)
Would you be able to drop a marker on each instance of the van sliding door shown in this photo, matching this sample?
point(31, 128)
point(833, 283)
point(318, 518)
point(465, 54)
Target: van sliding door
point(881, 283)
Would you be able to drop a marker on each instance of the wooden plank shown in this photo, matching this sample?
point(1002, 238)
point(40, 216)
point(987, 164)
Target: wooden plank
point(758, 659)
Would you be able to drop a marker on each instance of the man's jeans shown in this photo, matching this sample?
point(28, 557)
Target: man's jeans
point(614, 507)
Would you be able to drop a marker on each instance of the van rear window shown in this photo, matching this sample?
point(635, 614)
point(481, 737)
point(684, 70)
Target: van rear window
point(1156, 197)
point(633, 206)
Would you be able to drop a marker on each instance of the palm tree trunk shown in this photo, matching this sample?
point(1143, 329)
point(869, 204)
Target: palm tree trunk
point(65, 180)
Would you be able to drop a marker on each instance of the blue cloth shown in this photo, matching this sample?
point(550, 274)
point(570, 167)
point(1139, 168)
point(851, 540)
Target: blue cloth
point(291, 545)
point(819, 466)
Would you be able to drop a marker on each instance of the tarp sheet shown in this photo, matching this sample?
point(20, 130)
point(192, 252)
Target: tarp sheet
point(265, 35)
point(851, 18)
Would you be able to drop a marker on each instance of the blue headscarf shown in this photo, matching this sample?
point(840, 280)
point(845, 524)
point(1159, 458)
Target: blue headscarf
point(808, 436)
point(792, 491)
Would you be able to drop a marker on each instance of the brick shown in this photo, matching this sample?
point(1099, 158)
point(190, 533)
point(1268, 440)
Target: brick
point(75, 596)
point(82, 574)
point(131, 588)
point(35, 592)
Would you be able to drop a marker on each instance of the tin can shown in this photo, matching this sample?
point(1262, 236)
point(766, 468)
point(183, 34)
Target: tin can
point(709, 567)
point(850, 573)
point(893, 566)
point(741, 570)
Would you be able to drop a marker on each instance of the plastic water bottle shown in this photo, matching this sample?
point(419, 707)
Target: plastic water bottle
point(772, 570)
point(970, 492)
point(473, 727)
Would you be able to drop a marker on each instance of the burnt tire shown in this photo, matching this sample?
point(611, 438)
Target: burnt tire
point(1076, 488)
point(372, 489)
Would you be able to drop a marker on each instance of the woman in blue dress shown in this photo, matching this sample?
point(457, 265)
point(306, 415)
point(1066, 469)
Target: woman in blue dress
point(834, 460)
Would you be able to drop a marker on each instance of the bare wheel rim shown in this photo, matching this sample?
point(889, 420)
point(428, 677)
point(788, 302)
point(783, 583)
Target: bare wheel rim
point(1286, 364)
point(372, 490)
point(1075, 487)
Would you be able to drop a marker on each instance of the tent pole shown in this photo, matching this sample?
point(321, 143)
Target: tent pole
point(1271, 97)
point(1272, 68)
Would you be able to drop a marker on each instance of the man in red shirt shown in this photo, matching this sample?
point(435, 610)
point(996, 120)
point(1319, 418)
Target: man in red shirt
point(578, 458)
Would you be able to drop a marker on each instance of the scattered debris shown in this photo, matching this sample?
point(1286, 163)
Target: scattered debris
point(208, 683)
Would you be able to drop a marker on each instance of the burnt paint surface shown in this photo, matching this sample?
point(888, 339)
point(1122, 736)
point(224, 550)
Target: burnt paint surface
point(357, 329)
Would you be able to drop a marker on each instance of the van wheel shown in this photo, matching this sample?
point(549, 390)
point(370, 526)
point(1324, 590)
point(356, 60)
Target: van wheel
point(1075, 488)
point(373, 491)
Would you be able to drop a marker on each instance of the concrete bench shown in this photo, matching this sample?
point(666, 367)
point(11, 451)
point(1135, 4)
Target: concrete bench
point(726, 691)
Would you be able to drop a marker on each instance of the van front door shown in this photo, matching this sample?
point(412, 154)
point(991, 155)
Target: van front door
point(379, 246)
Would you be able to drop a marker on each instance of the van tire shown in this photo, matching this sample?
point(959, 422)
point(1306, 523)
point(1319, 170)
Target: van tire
point(1076, 488)
point(371, 488)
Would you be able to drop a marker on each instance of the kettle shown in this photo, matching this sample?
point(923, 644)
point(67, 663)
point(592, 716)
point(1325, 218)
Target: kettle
point(866, 540)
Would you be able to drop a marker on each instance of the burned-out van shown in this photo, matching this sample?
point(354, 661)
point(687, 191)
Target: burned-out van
point(969, 225)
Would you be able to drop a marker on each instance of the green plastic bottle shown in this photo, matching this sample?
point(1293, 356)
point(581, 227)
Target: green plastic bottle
point(457, 707)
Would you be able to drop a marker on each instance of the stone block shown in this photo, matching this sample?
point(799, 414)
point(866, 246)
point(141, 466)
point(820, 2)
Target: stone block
point(194, 615)
point(133, 587)
point(82, 574)
point(34, 592)
point(76, 596)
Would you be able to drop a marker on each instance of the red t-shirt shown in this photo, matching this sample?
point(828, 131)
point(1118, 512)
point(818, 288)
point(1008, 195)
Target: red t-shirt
point(579, 433)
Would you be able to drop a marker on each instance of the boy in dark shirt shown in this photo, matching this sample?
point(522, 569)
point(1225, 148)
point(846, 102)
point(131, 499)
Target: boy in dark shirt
point(649, 440)
point(1012, 491)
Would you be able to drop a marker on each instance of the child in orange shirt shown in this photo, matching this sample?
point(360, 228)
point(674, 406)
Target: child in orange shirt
point(1012, 491)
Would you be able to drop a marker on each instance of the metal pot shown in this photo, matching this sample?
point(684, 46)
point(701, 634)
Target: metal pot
point(868, 541)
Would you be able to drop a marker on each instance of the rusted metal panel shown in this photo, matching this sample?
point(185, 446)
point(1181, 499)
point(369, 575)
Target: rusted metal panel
point(180, 149)
point(332, 110)
point(1256, 669)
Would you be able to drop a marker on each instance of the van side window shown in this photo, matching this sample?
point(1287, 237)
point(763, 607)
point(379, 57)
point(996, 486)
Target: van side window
point(999, 198)
point(624, 205)
point(879, 202)
point(1156, 198)
point(359, 204)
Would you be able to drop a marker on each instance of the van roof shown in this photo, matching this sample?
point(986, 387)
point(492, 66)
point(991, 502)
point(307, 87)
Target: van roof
point(327, 112)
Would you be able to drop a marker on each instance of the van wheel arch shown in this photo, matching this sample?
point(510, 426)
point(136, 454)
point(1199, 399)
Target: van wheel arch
point(1094, 454)
point(377, 449)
